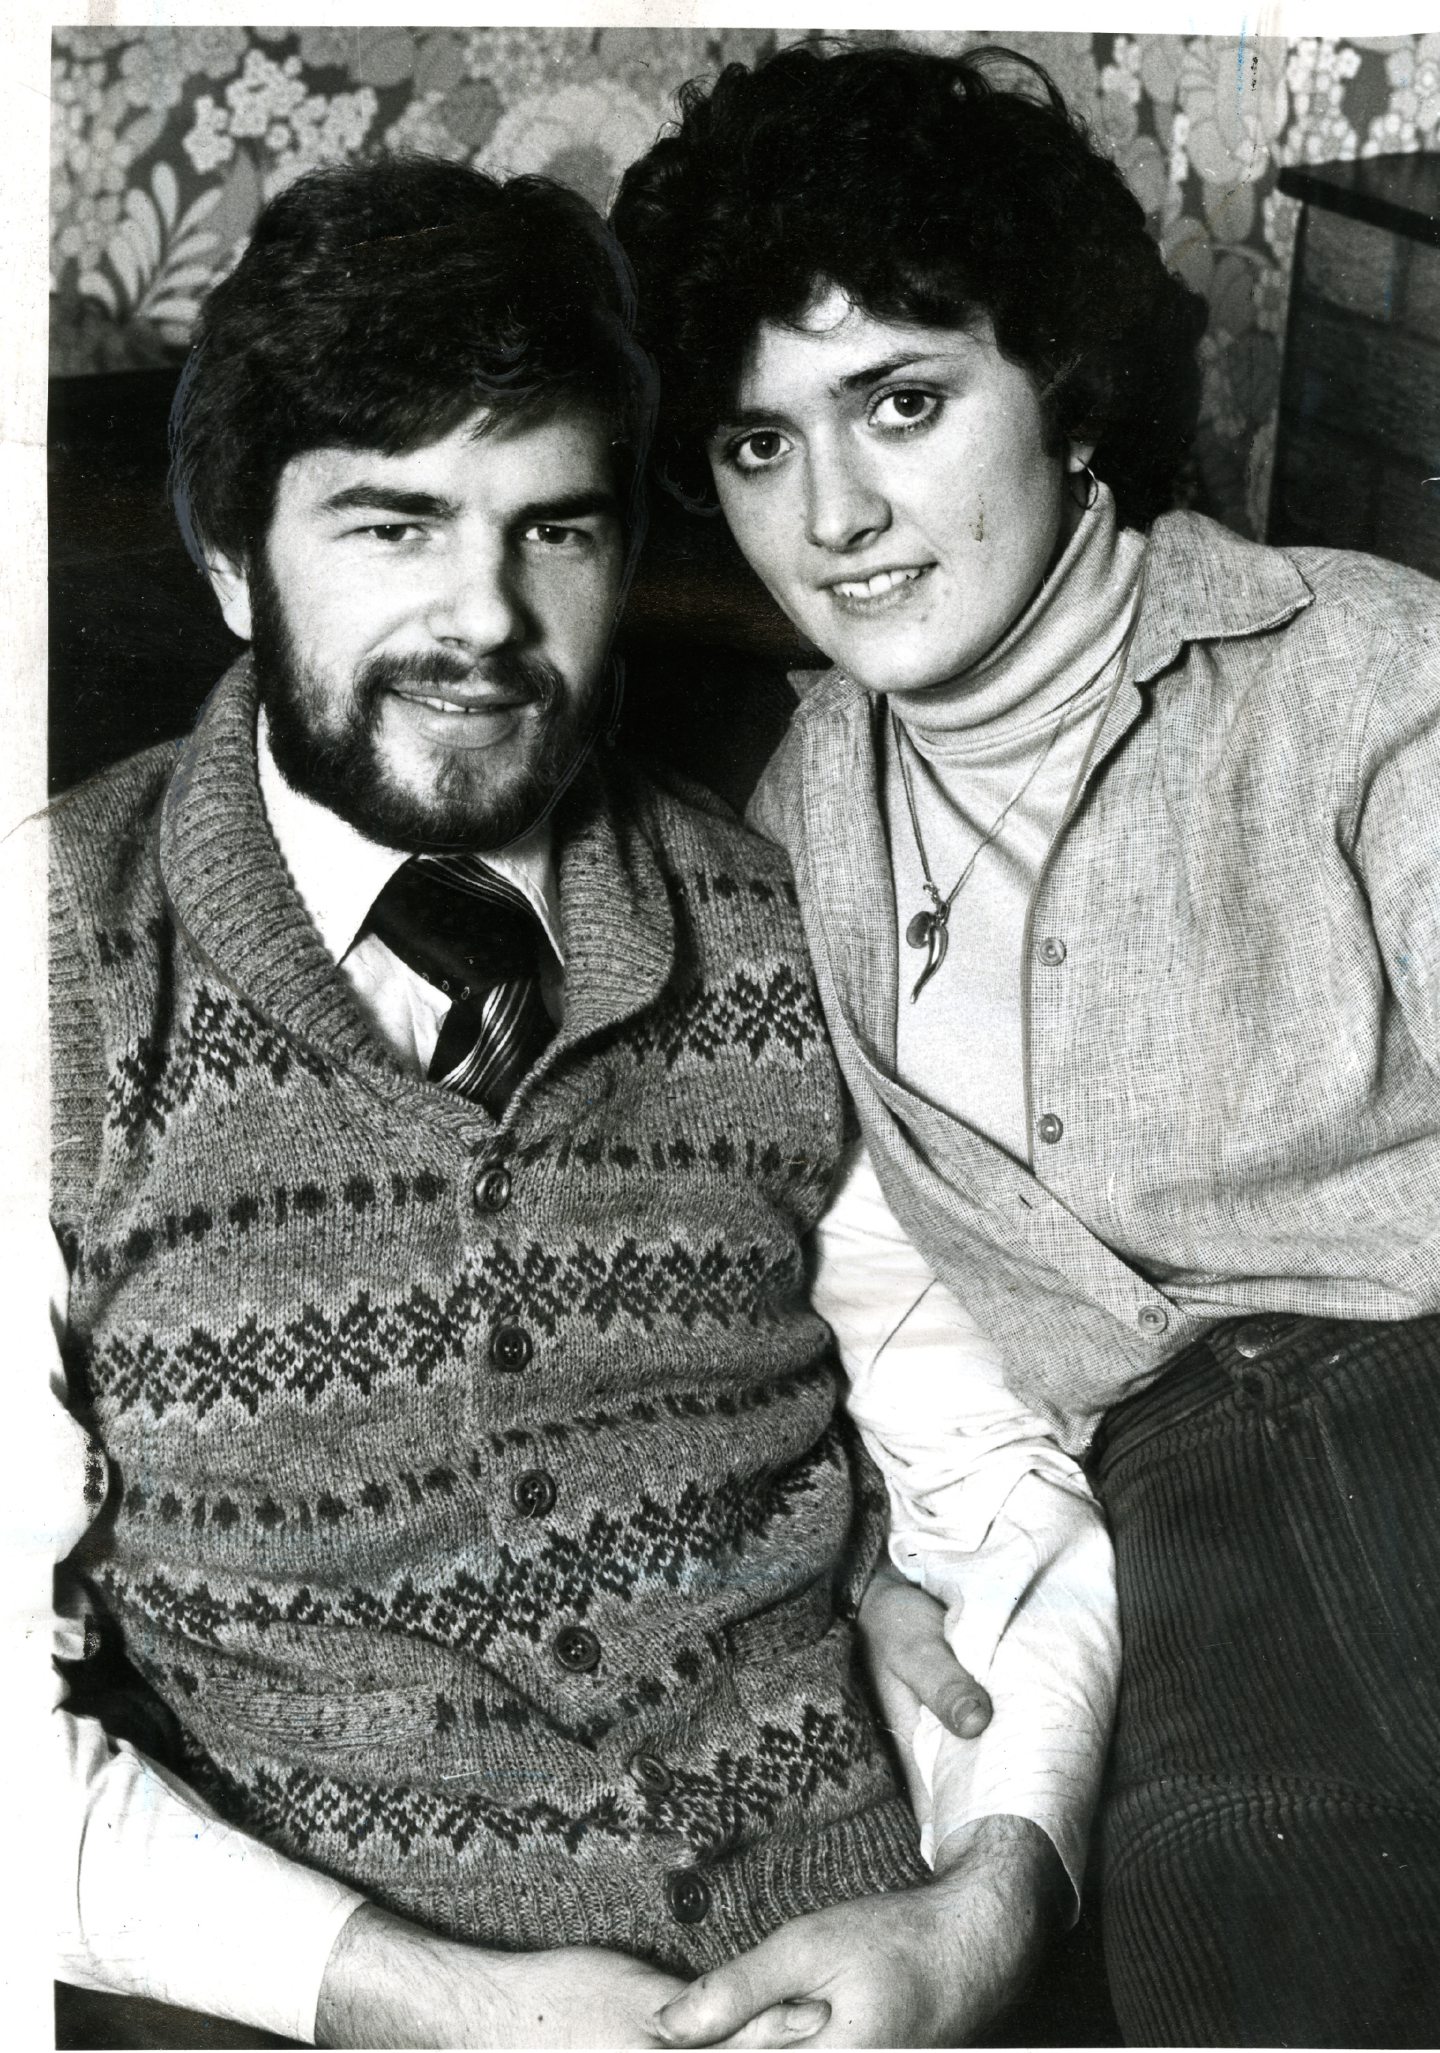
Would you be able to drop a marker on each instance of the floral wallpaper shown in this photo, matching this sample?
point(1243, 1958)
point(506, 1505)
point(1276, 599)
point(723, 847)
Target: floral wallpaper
point(166, 142)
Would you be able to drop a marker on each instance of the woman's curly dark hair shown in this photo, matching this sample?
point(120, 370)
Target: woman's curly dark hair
point(929, 189)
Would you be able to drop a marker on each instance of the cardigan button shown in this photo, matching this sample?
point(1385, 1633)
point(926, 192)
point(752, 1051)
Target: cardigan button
point(1051, 1126)
point(1152, 1318)
point(492, 1190)
point(577, 1649)
point(511, 1348)
point(533, 1493)
point(650, 1774)
point(688, 1895)
point(1052, 951)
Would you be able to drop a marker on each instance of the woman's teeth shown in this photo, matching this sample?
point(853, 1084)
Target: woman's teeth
point(872, 587)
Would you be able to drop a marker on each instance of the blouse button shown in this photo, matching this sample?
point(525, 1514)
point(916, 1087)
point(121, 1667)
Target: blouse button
point(1051, 1126)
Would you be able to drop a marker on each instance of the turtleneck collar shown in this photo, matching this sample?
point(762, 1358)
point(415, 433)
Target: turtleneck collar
point(1060, 647)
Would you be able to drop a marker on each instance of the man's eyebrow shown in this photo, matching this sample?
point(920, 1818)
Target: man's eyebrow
point(389, 499)
point(374, 497)
point(569, 506)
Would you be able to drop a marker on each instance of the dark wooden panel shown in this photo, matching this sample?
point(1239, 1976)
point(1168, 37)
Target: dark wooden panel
point(1400, 193)
point(1359, 429)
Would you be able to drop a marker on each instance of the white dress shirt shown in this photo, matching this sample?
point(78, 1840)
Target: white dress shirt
point(166, 1900)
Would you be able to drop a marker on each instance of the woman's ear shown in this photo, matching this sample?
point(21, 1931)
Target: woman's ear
point(231, 586)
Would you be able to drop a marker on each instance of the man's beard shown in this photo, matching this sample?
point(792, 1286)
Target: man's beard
point(342, 767)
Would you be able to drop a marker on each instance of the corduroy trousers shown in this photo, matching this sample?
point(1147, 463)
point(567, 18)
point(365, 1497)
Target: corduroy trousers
point(1270, 1843)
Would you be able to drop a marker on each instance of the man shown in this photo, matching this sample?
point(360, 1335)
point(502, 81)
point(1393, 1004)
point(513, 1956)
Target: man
point(1114, 837)
point(470, 1500)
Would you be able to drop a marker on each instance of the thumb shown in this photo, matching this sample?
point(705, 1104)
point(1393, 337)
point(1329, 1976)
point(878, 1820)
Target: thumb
point(719, 2003)
point(904, 1632)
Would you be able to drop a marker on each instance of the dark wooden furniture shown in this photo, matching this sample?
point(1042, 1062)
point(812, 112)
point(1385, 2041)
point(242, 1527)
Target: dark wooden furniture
point(1357, 461)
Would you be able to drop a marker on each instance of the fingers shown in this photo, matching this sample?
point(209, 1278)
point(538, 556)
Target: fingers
point(904, 1631)
point(730, 1998)
point(784, 2024)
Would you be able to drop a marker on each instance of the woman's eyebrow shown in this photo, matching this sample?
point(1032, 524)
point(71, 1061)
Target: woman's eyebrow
point(907, 360)
point(740, 419)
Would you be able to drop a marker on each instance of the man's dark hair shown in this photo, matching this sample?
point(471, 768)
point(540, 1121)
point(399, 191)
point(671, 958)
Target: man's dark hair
point(929, 189)
point(376, 306)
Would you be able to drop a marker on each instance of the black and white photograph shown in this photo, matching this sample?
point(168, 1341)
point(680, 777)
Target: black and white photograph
point(724, 1029)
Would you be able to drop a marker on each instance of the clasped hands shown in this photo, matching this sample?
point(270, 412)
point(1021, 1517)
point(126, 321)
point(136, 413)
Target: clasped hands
point(928, 1966)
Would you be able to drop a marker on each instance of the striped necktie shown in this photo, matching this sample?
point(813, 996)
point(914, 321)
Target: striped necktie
point(459, 925)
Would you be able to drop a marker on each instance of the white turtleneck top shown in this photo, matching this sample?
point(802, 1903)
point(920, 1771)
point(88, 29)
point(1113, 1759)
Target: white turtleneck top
point(1014, 731)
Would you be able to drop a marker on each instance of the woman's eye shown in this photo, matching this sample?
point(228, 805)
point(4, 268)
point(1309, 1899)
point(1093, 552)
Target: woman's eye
point(904, 409)
point(759, 449)
point(552, 535)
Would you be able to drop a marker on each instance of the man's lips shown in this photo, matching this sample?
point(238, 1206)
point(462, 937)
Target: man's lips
point(452, 703)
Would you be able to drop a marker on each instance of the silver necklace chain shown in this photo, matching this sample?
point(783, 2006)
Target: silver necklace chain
point(930, 927)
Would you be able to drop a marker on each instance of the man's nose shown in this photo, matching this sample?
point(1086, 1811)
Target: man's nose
point(844, 506)
point(478, 603)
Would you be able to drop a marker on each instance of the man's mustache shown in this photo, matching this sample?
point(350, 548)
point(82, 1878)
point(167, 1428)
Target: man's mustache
point(514, 672)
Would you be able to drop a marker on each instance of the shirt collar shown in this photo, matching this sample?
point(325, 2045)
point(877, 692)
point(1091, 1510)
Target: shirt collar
point(339, 873)
point(1205, 584)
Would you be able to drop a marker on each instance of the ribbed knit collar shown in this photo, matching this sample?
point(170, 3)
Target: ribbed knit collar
point(1057, 651)
point(233, 898)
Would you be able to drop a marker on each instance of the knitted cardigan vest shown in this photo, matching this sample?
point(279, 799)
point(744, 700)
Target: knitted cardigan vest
point(477, 1495)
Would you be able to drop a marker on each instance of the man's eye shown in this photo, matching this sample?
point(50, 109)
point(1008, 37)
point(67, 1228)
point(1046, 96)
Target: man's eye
point(758, 450)
point(551, 535)
point(905, 409)
point(391, 532)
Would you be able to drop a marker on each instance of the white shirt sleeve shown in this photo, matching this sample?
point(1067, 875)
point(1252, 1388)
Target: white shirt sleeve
point(158, 1897)
point(990, 1516)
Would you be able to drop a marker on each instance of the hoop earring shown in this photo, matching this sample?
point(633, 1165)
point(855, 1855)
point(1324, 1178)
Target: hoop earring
point(1089, 492)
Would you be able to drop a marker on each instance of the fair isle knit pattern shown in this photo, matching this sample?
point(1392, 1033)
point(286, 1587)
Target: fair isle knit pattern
point(478, 1497)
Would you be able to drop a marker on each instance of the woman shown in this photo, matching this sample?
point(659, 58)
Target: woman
point(1104, 825)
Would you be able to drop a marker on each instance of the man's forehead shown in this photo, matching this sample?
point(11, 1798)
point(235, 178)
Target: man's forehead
point(498, 449)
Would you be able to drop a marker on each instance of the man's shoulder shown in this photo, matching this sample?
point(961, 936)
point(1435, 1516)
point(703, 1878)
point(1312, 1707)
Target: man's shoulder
point(115, 801)
point(689, 823)
point(98, 831)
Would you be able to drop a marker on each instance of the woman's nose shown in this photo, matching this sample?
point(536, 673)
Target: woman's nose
point(844, 505)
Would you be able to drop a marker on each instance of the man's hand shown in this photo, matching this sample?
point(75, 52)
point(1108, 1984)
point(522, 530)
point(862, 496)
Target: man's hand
point(924, 1967)
point(902, 1631)
point(388, 1983)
